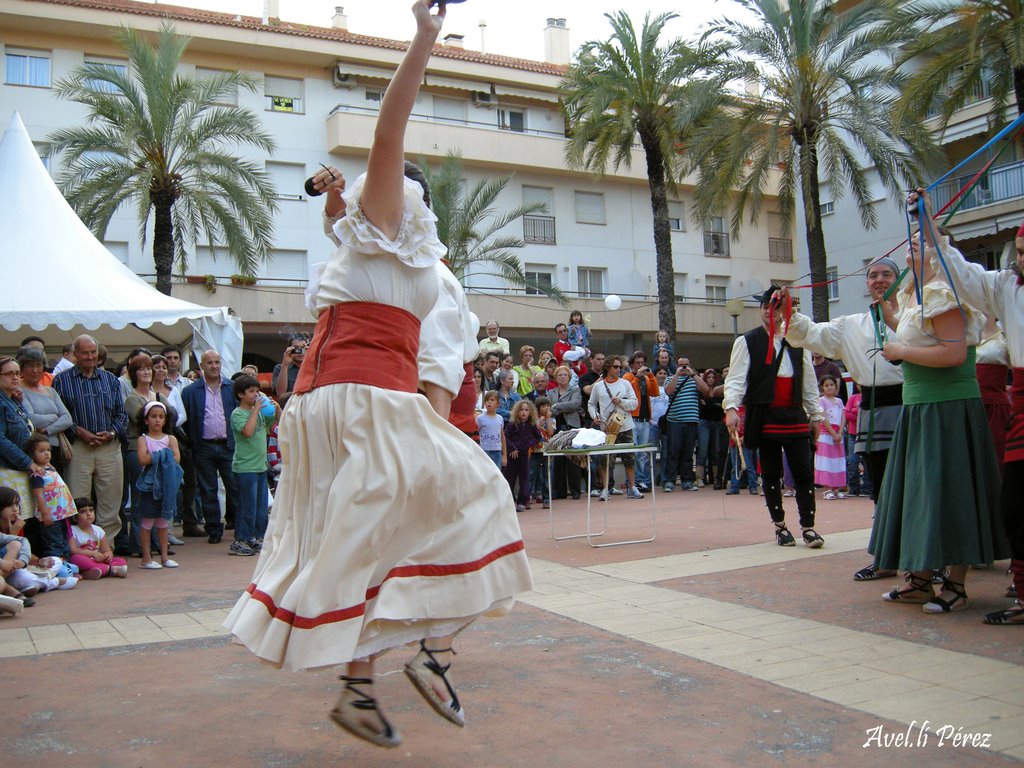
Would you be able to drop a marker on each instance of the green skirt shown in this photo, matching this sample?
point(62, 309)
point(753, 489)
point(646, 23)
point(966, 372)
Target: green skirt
point(939, 502)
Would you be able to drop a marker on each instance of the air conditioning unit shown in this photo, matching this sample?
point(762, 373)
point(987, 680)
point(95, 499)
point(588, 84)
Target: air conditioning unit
point(484, 99)
point(343, 80)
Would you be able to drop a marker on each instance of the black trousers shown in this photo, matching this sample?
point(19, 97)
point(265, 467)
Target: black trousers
point(876, 470)
point(801, 464)
point(564, 473)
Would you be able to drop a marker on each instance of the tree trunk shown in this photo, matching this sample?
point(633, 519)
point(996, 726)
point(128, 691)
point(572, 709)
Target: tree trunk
point(1018, 88)
point(662, 237)
point(163, 243)
point(817, 257)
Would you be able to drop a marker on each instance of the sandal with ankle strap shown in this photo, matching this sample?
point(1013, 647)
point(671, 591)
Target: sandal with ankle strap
point(421, 672)
point(919, 591)
point(872, 572)
point(1012, 615)
point(351, 703)
point(942, 605)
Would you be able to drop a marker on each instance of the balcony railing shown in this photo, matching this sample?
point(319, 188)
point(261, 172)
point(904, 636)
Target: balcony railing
point(780, 250)
point(539, 229)
point(1004, 182)
point(716, 243)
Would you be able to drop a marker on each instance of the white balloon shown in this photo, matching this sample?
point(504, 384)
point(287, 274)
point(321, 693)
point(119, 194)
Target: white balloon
point(612, 302)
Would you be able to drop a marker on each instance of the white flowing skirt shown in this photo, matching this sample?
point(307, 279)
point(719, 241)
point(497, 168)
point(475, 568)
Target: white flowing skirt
point(389, 525)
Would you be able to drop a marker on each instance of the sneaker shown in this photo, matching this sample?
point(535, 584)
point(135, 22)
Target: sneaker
point(753, 492)
point(595, 493)
point(842, 495)
point(256, 544)
point(91, 574)
point(172, 539)
point(669, 487)
point(152, 565)
point(689, 487)
point(643, 487)
point(634, 493)
point(812, 539)
point(546, 505)
point(119, 570)
point(603, 495)
point(616, 491)
point(730, 491)
point(68, 582)
point(789, 494)
point(168, 563)
point(519, 508)
point(241, 549)
point(784, 538)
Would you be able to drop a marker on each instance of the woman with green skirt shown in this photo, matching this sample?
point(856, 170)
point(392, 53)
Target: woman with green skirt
point(939, 502)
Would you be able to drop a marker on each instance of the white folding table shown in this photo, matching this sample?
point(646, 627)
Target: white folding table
point(606, 452)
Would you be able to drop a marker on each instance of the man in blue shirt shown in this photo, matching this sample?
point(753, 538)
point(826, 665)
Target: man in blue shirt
point(93, 397)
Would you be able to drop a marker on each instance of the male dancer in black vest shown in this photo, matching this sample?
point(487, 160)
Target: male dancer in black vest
point(776, 384)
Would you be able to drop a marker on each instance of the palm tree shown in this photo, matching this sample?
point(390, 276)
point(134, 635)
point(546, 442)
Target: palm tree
point(968, 46)
point(631, 87)
point(158, 139)
point(825, 105)
point(467, 224)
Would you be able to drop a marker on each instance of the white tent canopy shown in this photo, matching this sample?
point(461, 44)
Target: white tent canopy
point(60, 281)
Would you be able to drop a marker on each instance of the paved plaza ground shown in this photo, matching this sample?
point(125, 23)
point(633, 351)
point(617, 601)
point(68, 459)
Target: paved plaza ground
point(709, 646)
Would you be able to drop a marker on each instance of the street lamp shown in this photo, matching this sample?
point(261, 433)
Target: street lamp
point(735, 308)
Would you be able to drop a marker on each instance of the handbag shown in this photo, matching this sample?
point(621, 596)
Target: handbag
point(66, 451)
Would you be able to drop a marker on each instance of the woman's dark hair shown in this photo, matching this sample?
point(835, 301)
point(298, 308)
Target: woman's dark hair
point(140, 420)
point(242, 383)
point(141, 360)
point(8, 497)
point(413, 171)
point(30, 355)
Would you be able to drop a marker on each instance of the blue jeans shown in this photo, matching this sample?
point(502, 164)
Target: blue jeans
point(251, 521)
point(495, 457)
point(642, 436)
point(737, 474)
point(856, 483)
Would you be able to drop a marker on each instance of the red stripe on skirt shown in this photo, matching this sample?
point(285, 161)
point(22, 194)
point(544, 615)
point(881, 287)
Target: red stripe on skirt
point(398, 572)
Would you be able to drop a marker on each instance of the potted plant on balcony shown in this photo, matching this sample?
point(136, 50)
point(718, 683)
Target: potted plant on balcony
point(211, 283)
point(238, 279)
point(195, 279)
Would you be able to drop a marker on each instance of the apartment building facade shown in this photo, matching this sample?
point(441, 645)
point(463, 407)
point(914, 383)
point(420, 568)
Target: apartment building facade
point(321, 89)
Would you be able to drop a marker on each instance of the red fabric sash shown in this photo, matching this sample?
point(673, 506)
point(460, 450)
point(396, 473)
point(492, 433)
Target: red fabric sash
point(463, 413)
point(992, 381)
point(783, 397)
point(362, 342)
point(1015, 436)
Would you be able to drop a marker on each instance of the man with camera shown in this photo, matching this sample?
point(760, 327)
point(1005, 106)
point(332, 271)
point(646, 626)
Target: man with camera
point(287, 371)
point(684, 389)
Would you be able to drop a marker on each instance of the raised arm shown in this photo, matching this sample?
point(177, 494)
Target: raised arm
point(382, 199)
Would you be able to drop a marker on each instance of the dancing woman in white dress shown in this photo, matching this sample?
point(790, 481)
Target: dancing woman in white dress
point(390, 526)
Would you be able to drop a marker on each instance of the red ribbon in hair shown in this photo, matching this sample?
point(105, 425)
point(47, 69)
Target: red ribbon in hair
point(787, 312)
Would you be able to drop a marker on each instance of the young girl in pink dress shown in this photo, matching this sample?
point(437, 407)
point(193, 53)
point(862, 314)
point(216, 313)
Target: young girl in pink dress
point(830, 459)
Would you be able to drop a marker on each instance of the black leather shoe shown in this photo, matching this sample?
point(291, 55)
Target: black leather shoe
point(214, 538)
point(193, 531)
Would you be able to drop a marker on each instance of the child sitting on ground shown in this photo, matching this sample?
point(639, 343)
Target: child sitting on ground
point(22, 581)
point(53, 501)
point(90, 550)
